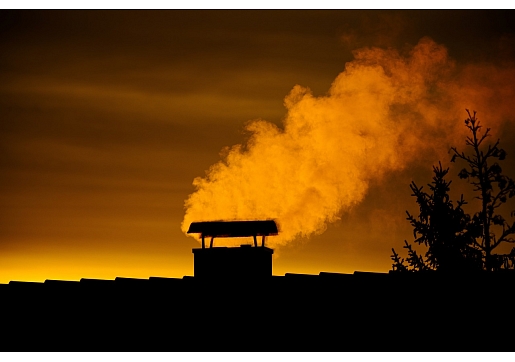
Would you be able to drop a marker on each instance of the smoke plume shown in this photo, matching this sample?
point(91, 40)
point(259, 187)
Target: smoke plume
point(385, 111)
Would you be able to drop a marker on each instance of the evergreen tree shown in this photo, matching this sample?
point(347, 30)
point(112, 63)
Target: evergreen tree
point(493, 188)
point(442, 227)
point(456, 241)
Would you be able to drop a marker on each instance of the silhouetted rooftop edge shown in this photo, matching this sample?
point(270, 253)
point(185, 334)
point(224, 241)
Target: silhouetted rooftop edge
point(360, 274)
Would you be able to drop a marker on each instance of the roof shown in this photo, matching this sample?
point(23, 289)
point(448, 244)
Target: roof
point(233, 229)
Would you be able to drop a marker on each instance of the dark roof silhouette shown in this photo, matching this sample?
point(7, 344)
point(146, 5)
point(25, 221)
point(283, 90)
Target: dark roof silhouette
point(329, 311)
point(231, 229)
point(298, 312)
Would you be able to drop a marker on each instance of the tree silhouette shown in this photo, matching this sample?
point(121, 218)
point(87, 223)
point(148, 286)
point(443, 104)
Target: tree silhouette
point(485, 174)
point(442, 227)
point(456, 241)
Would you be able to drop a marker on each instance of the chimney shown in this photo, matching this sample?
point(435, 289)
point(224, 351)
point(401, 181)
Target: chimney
point(247, 261)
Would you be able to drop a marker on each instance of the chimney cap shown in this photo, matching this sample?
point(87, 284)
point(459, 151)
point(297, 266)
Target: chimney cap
point(234, 229)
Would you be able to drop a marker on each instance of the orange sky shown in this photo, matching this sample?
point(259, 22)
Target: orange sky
point(109, 116)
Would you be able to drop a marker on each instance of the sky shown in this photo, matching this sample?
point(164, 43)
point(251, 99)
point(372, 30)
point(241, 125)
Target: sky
point(119, 128)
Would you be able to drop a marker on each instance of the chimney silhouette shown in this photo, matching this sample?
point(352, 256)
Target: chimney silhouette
point(246, 261)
